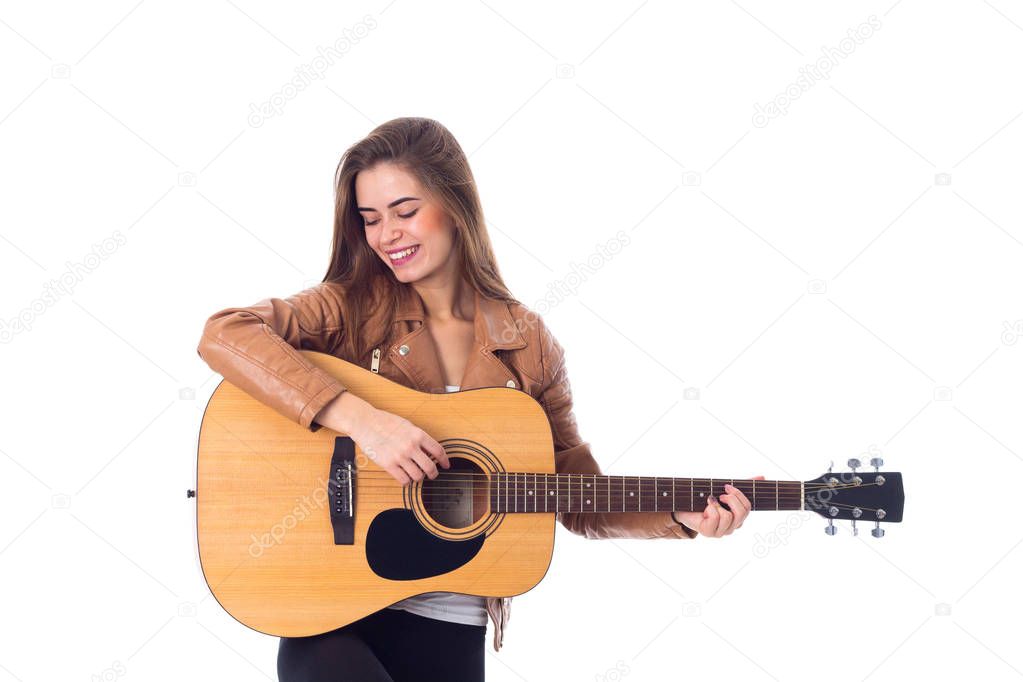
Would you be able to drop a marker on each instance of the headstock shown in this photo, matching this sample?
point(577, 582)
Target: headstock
point(868, 496)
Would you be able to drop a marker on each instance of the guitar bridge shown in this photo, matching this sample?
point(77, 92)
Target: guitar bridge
point(341, 488)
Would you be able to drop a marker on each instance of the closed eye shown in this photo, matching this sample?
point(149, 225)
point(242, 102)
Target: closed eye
point(400, 215)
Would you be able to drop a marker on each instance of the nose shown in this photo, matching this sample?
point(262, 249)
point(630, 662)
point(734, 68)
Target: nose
point(391, 232)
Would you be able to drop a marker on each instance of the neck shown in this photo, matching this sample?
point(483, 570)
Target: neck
point(449, 299)
point(530, 492)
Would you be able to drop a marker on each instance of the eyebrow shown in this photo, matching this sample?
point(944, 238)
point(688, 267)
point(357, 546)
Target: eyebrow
point(392, 204)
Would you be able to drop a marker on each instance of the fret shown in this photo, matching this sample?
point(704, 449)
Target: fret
point(537, 493)
point(673, 503)
point(639, 494)
point(692, 507)
point(609, 493)
point(520, 491)
point(623, 493)
point(546, 494)
point(776, 502)
point(523, 487)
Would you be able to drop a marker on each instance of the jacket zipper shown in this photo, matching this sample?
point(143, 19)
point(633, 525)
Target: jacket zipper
point(375, 366)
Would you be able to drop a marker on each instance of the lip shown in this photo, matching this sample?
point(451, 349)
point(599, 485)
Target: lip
point(400, 248)
point(399, 262)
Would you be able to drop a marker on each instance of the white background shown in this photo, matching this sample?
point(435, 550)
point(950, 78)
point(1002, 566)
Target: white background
point(842, 281)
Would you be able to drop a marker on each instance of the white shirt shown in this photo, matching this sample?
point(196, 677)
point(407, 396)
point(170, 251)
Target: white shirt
point(450, 606)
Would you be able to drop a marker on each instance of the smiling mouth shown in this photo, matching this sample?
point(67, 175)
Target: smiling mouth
point(398, 257)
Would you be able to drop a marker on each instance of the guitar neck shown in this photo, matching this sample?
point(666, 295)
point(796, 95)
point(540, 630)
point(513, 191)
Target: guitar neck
point(525, 492)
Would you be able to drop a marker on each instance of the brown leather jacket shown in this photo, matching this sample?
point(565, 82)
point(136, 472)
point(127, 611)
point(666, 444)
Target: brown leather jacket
point(254, 349)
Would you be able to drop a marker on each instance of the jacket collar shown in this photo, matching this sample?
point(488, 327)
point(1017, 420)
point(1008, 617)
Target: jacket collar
point(495, 327)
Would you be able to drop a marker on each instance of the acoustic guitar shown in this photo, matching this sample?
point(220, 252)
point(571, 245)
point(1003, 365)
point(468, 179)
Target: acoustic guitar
point(300, 532)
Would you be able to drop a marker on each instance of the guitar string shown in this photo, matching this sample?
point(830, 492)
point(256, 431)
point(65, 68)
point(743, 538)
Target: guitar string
point(512, 477)
point(645, 490)
point(572, 489)
point(574, 473)
point(613, 494)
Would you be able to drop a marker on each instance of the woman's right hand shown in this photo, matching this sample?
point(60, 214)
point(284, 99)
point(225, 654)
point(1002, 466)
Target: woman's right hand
point(397, 445)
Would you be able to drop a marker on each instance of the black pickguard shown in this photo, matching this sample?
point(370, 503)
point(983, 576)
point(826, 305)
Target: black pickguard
point(399, 548)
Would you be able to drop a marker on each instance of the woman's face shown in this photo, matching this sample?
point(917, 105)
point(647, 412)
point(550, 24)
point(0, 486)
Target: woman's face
point(407, 230)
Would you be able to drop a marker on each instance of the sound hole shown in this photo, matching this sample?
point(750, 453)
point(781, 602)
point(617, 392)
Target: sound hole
point(458, 496)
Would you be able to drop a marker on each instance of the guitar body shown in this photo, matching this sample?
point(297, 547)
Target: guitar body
point(284, 554)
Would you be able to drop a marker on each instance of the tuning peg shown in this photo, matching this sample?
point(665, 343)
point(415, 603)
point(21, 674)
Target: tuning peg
point(830, 529)
point(853, 463)
point(877, 531)
point(877, 463)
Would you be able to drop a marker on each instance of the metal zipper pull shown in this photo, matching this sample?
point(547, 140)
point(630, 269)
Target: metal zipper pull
point(375, 367)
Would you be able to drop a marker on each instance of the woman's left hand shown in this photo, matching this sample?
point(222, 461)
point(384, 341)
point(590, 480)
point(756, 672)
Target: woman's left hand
point(716, 521)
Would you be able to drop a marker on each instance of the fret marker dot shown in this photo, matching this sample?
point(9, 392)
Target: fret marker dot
point(664, 494)
point(631, 493)
point(530, 492)
point(701, 494)
point(587, 501)
point(550, 492)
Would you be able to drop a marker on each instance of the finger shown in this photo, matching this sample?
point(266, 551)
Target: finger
point(435, 449)
point(710, 518)
point(741, 510)
point(740, 497)
point(724, 520)
point(411, 468)
point(425, 463)
point(398, 473)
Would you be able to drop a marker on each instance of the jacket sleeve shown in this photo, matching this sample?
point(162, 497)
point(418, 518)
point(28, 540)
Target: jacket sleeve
point(572, 455)
point(256, 349)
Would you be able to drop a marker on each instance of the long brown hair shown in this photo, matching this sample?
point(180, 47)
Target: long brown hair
point(427, 150)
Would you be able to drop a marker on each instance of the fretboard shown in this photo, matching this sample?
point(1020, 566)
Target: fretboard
point(528, 492)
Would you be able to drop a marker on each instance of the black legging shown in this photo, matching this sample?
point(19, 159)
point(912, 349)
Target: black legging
point(390, 645)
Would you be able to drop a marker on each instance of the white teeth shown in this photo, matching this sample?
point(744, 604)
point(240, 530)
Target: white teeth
point(401, 254)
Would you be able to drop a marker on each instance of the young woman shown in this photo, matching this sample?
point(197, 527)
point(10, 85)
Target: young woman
point(413, 292)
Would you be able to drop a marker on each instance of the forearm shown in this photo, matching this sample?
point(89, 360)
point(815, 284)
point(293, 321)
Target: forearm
point(256, 348)
point(624, 525)
point(344, 413)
